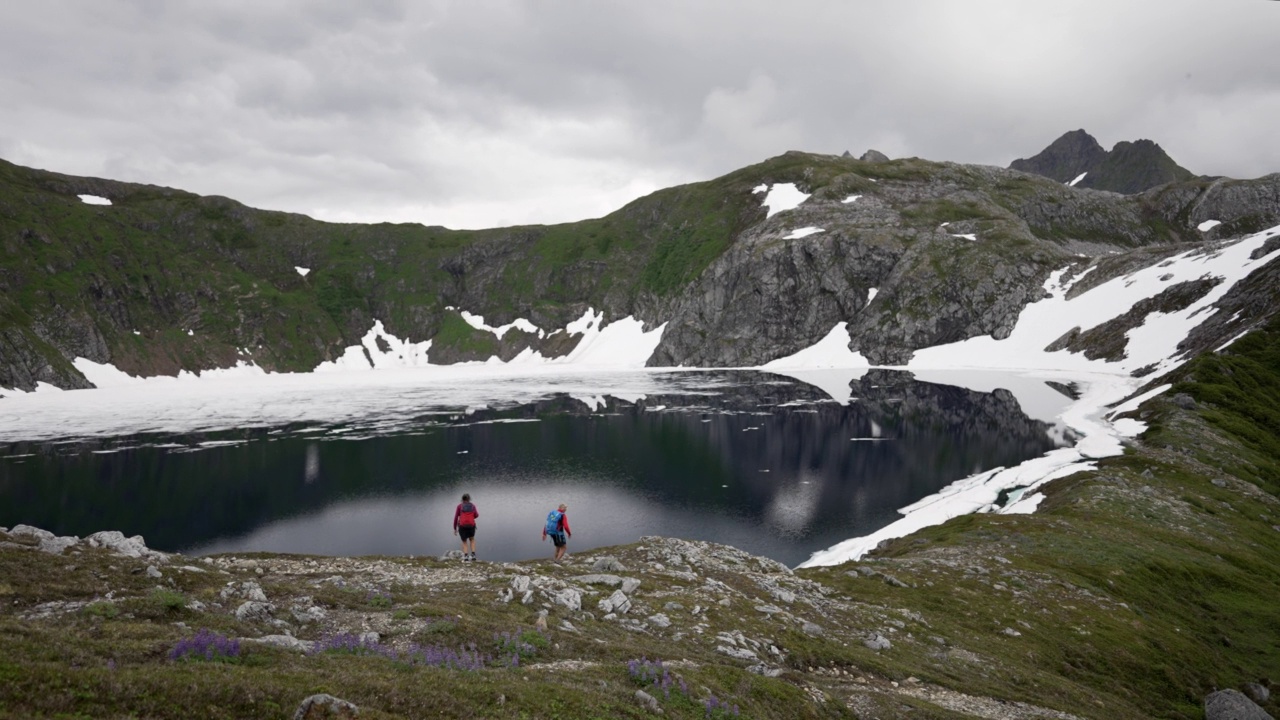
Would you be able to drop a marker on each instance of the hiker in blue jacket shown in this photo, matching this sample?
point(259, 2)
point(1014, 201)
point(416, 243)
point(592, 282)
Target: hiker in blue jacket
point(557, 528)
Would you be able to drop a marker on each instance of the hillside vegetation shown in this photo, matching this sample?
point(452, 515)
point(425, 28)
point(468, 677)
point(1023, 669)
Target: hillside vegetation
point(163, 280)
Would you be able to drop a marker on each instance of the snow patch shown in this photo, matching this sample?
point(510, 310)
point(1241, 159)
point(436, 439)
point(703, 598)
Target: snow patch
point(94, 200)
point(851, 198)
point(781, 197)
point(803, 232)
point(966, 236)
point(871, 294)
point(301, 270)
point(1078, 179)
point(477, 322)
point(1208, 225)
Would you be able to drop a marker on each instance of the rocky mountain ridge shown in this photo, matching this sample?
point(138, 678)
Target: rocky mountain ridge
point(1130, 167)
point(162, 281)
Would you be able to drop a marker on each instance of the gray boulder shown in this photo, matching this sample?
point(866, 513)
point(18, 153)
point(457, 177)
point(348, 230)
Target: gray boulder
point(618, 602)
point(607, 564)
point(1257, 692)
point(253, 610)
point(877, 642)
point(1232, 705)
point(325, 707)
point(874, 156)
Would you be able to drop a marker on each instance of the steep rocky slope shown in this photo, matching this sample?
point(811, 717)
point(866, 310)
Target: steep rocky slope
point(162, 280)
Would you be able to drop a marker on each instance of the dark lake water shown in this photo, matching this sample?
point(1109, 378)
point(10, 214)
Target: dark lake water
point(760, 461)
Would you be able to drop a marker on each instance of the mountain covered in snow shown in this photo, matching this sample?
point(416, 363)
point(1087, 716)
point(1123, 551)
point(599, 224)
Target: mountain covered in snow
point(880, 260)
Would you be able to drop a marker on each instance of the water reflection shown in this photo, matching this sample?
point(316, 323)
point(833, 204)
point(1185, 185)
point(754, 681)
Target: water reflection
point(760, 461)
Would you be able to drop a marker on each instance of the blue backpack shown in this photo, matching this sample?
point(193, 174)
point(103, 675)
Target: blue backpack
point(553, 522)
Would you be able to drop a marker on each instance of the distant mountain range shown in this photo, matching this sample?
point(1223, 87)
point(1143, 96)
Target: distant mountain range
point(1130, 167)
point(741, 270)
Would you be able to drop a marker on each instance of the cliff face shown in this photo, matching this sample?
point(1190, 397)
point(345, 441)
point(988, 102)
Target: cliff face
point(163, 280)
point(1130, 167)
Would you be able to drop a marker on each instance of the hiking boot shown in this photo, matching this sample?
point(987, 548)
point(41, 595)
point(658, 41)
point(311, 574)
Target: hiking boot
point(466, 558)
point(473, 557)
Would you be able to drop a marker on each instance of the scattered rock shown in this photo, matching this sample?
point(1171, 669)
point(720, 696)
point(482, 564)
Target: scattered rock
point(672, 606)
point(811, 628)
point(648, 701)
point(1257, 692)
point(874, 156)
point(1011, 632)
point(737, 652)
point(765, 670)
point(618, 602)
point(569, 598)
point(325, 707)
point(253, 610)
point(520, 583)
point(1184, 401)
point(1218, 482)
point(607, 564)
point(287, 642)
point(877, 642)
point(153, 572)
point(660, 620)
point(116, 541)
point(1232, 705)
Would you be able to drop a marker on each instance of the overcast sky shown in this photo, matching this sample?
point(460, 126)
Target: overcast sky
point(481, 114)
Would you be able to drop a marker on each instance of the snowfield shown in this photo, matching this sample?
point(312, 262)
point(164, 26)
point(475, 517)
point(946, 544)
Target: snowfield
point(375, 390)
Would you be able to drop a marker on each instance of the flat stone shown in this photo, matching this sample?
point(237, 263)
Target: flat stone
point(737, 652)
point(56, 545)
point(569, 598)
point(288, 642)
point(629, 585)
point(660, 620)
point(520, 583)
point(607, 563)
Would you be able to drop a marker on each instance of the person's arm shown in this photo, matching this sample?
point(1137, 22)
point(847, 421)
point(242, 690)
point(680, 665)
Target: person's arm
point(457, 512)
point(564, 521)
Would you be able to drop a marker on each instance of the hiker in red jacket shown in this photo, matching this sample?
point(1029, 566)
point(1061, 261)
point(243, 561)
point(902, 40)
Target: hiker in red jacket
point(557, 528)
point(464, 526)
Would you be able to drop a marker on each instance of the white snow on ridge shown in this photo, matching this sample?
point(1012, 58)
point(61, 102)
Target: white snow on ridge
point(831, 351)
point(301, 270)
point(1153, 343)
point(851, 198)
point(93, 200)
point(477, 322)
point(1208, 225)
point(803, 232)
point(1078, 179)
point(782, 196)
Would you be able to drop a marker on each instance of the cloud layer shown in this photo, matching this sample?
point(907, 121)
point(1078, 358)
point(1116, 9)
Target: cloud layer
point(484, 114)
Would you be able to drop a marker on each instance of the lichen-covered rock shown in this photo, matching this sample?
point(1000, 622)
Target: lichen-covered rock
point(325, 707)
point(1232, 705)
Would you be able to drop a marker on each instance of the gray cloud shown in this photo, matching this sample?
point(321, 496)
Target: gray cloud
point(480, 114)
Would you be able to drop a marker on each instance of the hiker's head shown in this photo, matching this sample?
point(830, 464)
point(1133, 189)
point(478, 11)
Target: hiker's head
point(466, 497)
point(563, 507)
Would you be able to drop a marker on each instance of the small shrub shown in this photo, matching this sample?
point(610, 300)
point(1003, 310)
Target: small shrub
point(379, 599)
point(652, 673)
point(401, 614)
point(717, 708)
point(516, 647)
point(102, 609)
point(167, 600)
point(206, 645)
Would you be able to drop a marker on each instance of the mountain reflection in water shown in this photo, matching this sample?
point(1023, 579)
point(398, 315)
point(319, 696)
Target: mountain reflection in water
point(760, 461)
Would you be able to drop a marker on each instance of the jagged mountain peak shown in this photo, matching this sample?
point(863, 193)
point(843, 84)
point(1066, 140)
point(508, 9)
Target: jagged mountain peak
point(1130, 167)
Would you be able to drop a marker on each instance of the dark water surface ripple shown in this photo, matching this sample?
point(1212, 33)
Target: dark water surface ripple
point(760, 461)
